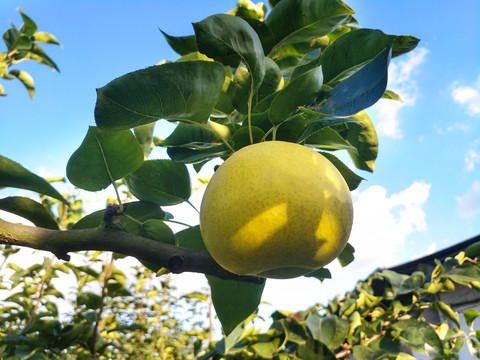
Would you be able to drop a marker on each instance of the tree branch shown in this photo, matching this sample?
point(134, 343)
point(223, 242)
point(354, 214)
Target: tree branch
point(174, 258)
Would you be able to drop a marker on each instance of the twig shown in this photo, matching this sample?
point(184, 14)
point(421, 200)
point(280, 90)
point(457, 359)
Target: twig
point(175, 258)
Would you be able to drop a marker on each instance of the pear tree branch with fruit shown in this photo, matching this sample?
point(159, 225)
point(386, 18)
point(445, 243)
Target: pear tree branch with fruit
point(274, 94)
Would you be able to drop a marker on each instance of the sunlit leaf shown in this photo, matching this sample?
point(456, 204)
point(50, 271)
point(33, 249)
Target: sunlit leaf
point(470, 315)
point(37, 54)
point(391, 95)
point(362, 135)
point(447, 311)
point(44, 37)
point(29, 27)
point(103, 157)
point(26, 80)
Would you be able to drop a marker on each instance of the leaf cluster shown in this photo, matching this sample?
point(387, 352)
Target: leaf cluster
point(388, 316)
point(110, 316)
point(23, 44)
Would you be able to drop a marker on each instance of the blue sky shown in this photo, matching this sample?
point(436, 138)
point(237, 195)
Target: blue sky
point(425, 192)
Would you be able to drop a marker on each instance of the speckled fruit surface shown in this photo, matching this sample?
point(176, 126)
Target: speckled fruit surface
point(276, 209)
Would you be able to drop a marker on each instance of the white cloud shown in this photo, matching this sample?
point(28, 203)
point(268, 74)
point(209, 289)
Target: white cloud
point(401, 81)
point(469, 203)
point(472, 158)
point(469, 97)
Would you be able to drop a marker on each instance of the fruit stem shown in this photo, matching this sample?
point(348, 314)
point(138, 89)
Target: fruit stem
point(250, 99)
point(193, 206)
point(179, 223)
point(274, 132)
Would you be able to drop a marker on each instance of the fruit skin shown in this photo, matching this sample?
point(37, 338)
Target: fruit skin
point(276, 209)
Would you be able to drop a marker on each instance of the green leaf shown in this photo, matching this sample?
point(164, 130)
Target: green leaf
point(321, 123)
point(328, 139)
point(26, 80)
point(144, 135)
point(329, 330)
point(241, 138)
point(44, 37)
point(346, 256)
point(355, 48)
point(190, 238)
point(29, 27)
point(15, 40)
point(182, 45)
point(447, 311)
point(152, 229)
point(293, 21)
point(391, 95)
point(90, 300)
point(272, 80)
point(363, 137)
point(230, 39)
point(186, 155)
point(163, 182)
point(301, 91)
point(30, 210)
point(419, 336)
point(473, 250)
point(190, 135)
point(241, 89)
point(103, 157)
point(37, 54)
point(14, 175)
point(470, 315)
point(174, 91)
point(352, 179)
point(139, 210)
point(313, 349)
point(320, 274)
point(234, 301)
point(361, 90)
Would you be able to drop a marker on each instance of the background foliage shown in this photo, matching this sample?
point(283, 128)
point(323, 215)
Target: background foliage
point(302, 73)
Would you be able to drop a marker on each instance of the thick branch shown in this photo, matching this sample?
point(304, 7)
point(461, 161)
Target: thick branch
point(174, 258)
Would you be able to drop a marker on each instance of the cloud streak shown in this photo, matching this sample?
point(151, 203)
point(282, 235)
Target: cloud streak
point(469, 203)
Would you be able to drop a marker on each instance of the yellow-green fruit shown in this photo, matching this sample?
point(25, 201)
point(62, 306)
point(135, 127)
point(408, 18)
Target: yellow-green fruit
point(276, 209)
